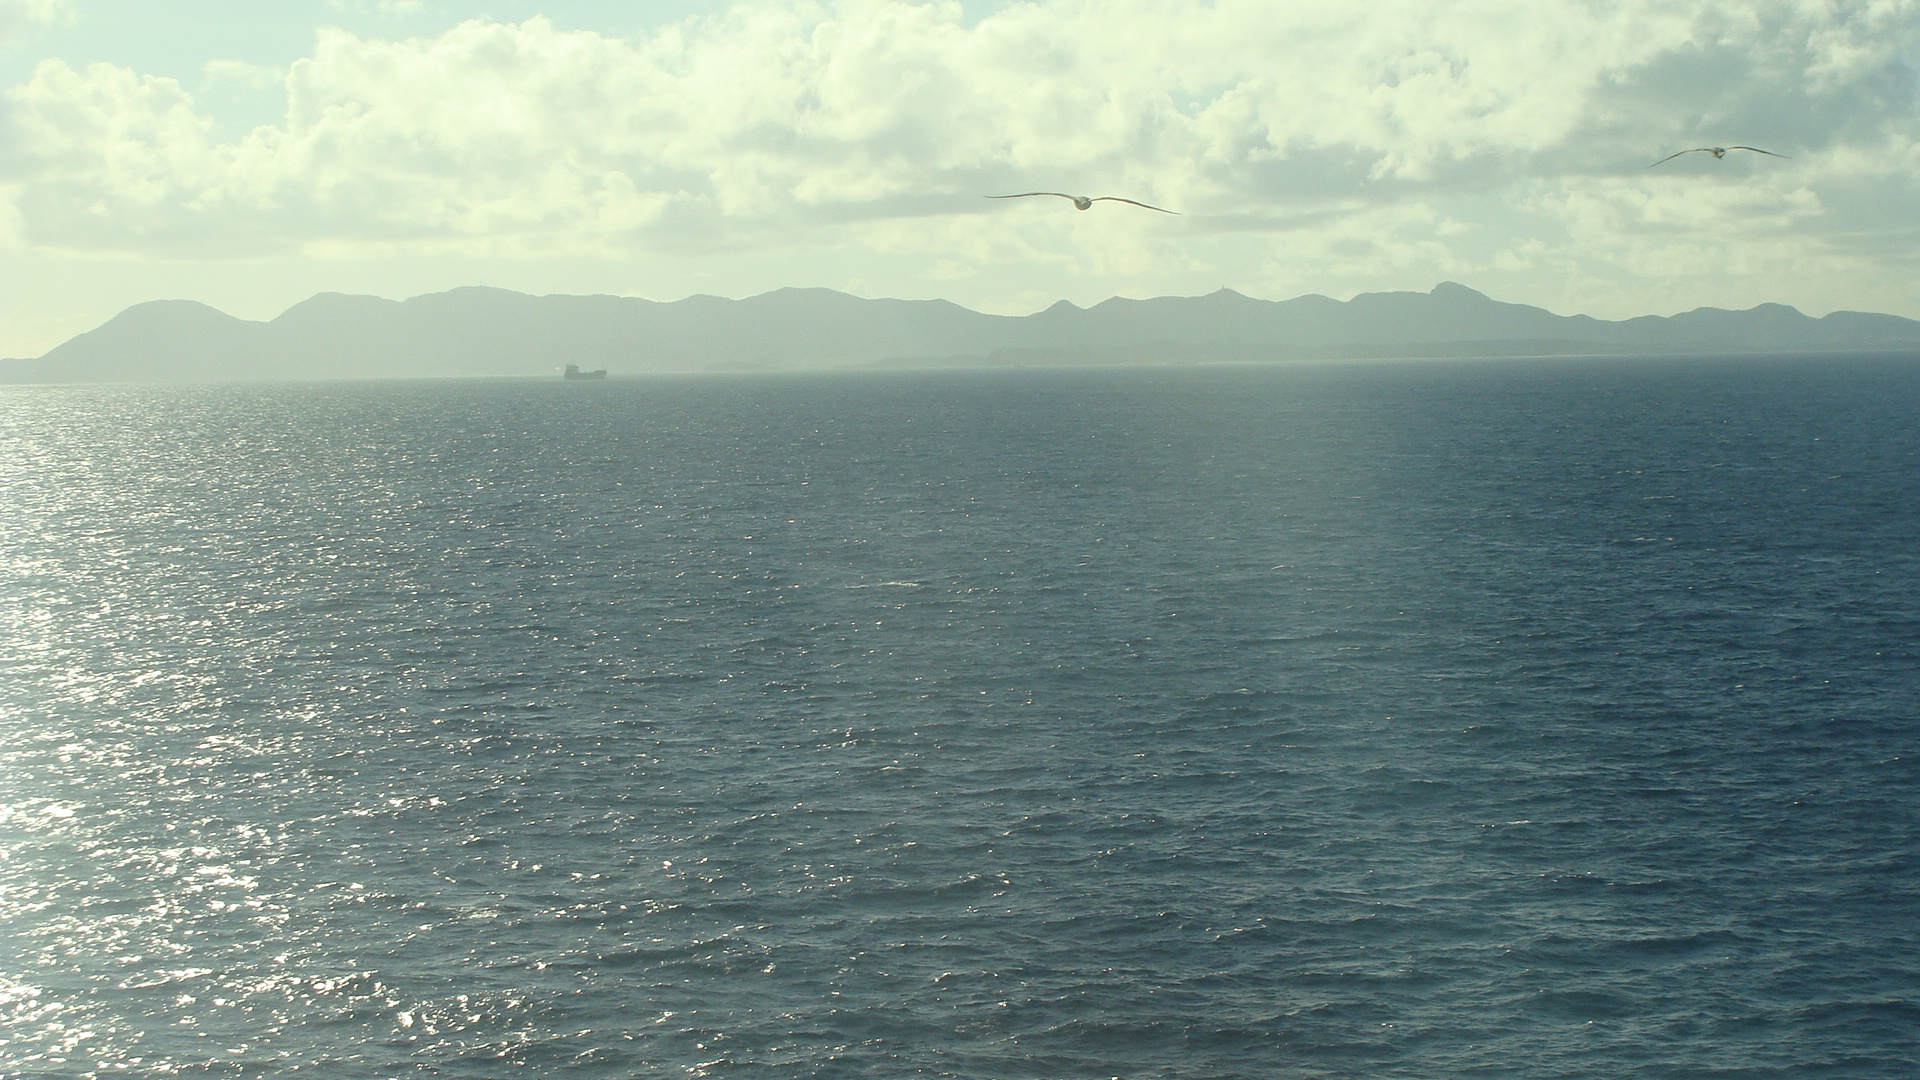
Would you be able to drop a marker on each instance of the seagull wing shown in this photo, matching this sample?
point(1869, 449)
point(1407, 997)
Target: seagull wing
point(1131, 202)
point(1757, 150)
point(1024, 194)
point(1695, 150)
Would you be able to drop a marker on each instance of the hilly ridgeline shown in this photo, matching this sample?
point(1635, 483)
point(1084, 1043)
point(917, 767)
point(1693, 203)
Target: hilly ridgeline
point(494, 332)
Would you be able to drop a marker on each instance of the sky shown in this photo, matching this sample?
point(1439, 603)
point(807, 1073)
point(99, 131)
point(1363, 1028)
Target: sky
point(249, 155)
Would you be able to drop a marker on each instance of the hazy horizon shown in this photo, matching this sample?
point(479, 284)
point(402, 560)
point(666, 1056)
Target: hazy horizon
point(1041, 306)
point(248, 157)
point(489, 331)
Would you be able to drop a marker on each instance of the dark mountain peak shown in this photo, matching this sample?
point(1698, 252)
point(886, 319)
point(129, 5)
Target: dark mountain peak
point(1453, 290)
point(469, 298)
point(478, 292)
point(1766, 313)
point(157, 340)
point(702, 300)
point(1397, 296)
point(802, 294)
point(162, 318)
point(153, 311)
point(1448, 294)
point(328, 303)
point(1867, 317)
point(171, 305)
point(1880, 331)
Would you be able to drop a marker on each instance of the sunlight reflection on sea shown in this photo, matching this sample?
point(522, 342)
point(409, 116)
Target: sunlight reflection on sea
point(1353, 720)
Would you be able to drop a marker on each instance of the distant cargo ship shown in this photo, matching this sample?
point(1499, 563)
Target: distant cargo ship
point(574, 372)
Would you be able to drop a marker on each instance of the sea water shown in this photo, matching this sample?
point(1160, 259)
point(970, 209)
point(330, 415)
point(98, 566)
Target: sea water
point(1449, 719)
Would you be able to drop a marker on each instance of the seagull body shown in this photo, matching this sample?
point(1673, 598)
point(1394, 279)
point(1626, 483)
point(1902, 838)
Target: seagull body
point(1718, 152)
point(1082, 202)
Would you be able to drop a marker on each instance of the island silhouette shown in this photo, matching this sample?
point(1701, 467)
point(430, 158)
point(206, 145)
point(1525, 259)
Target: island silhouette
point(479, 331)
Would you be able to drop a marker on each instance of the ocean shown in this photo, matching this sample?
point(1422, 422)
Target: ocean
point(1475, 718)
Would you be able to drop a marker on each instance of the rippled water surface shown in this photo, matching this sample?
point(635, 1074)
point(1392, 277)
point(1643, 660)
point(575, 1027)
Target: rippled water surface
point(1464, 719)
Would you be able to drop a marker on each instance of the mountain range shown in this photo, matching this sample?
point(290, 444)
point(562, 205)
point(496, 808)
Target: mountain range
point(495, 332)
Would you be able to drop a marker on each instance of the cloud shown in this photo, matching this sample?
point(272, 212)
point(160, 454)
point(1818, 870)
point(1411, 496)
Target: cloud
point(93, 152)
point(1379, 136)
point(15, 14)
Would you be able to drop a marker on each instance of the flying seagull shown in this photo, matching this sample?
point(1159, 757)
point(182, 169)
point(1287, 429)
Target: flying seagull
point(1081, 202)
point(1718, 152)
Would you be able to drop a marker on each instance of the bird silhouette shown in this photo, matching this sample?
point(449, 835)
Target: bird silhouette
point(1082, 202)
point(1718, 152)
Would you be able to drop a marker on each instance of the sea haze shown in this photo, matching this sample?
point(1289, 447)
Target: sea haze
point(480, 332)
point(1465, 718)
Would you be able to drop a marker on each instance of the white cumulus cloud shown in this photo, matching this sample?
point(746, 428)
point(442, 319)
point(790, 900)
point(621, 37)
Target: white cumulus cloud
point(1371, 138)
